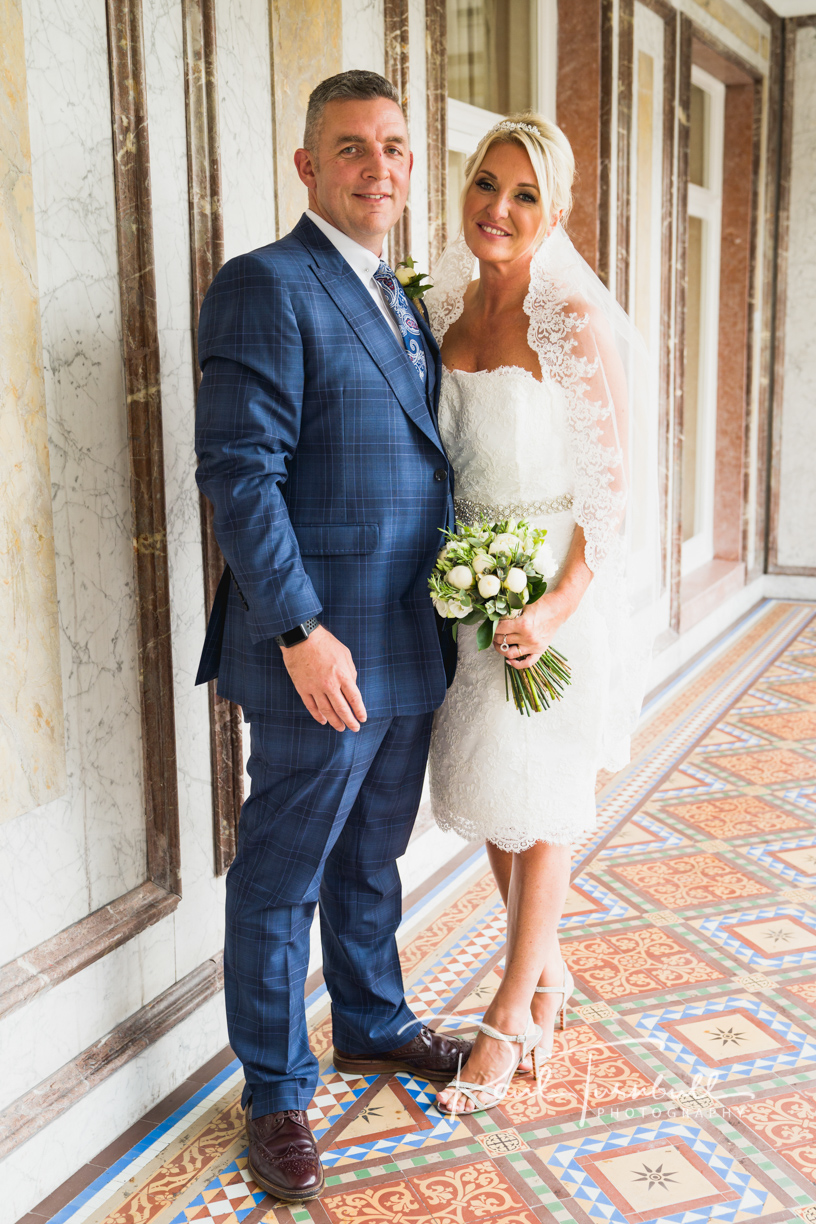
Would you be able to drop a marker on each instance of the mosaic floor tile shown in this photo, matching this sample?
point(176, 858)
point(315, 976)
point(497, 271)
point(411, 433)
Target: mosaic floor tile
point(794, 725)
point(229, 1198)
point(668, 1170)
point(781, 936)
point(585, 1072)
point(401, 1118)
point(770, 765)
point(466, 1193)
point(690, 879)
point(685, 1003)
point(392, 1204)
point(787, 1123)
point(722, 1040)
point(736, 816)
point(632, 962)
point(794, 859)
point(639, 835)
point(588, 900)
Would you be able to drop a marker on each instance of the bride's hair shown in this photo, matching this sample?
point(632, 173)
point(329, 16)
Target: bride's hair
point(548, 150)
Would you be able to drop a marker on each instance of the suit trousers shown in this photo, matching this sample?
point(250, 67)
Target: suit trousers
point(327, 816)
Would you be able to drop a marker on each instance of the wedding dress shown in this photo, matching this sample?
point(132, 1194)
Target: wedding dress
point(555, 451)
point(496, 774)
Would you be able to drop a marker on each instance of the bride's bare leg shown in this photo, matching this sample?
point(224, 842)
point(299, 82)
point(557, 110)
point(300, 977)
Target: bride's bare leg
point(536, 890)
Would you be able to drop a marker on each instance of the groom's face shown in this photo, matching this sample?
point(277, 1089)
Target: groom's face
point(359, 173)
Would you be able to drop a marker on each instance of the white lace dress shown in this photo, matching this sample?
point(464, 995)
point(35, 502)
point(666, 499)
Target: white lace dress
point(496, 774)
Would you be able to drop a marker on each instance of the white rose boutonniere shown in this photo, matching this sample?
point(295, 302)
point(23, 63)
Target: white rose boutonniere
point(410, 279)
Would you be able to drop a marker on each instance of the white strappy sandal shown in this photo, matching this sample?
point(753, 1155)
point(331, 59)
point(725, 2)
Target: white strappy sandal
point(495, 1089)
point(566, 991)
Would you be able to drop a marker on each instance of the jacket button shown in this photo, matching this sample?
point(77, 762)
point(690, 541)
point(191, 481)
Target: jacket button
point(440, 474)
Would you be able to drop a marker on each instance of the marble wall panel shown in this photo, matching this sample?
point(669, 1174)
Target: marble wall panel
point(307, 46)
point(49, 1031)
point(45, 1161)
point(363, 45)
point(69, 857)
point(32, 750)
point(168, 163)
point(245, 117)
point(796, 539)
point(578, 110)
point(736, 25)
point(417, 118)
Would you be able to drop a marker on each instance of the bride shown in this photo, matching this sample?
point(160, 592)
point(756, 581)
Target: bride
point(544, 382)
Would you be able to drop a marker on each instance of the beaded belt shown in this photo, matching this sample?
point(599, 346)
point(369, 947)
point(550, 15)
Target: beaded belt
point(473, 512)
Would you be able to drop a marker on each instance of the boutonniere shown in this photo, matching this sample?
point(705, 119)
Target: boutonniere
point(410, 279)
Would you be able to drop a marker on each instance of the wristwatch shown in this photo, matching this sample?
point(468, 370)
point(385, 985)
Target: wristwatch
point(299, 634)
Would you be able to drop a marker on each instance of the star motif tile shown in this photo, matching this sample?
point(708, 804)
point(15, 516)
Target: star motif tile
point(722, 1040)
point(780, 936)
point(794, 859)
point(667, 1170)
point(401, 1118)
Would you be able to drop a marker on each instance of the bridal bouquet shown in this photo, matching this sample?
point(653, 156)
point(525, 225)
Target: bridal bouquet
point(489, 573)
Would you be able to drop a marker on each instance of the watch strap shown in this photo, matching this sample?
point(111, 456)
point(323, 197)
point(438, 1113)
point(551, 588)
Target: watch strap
point(299, 634)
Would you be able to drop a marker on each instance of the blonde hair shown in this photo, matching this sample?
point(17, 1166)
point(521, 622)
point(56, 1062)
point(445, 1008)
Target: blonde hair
point(548, 150)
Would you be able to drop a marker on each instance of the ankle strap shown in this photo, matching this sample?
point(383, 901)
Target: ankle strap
point(519, 1038)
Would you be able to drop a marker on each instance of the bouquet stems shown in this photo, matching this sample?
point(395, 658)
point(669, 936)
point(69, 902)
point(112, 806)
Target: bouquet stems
point(533, 688)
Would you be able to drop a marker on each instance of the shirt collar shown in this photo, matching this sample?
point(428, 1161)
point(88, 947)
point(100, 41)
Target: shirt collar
point(364, 262)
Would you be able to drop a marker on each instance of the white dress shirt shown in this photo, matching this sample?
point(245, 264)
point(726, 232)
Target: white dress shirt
point(362, 261)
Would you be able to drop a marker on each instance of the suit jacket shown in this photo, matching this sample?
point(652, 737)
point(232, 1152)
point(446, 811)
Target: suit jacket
point(319, 450)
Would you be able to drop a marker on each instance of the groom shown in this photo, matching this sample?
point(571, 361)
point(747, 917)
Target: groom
point(318, 447)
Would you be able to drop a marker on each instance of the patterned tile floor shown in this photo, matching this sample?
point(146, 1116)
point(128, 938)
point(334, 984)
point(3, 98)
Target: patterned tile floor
point(684, 1088)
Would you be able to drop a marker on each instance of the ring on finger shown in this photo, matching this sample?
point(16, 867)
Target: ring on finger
point(504, 645)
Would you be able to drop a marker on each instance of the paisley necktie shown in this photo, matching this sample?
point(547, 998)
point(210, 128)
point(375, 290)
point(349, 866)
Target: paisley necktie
point(406, 322)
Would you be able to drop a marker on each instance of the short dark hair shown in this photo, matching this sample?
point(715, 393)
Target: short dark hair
point(356, 83)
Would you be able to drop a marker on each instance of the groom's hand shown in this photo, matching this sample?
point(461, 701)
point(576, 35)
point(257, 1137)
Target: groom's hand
point(323, 672)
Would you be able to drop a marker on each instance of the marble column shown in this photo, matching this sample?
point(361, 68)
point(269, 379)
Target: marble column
point(32, 750)
point(306, 47)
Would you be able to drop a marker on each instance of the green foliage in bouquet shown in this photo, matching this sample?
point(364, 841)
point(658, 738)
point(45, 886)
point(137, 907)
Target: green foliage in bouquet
point(490, 573)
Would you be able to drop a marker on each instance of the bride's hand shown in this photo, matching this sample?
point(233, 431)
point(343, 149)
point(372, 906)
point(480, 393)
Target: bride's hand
point(529, 635)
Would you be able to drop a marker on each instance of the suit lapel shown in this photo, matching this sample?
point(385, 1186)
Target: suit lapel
point(349, 295)
point(432, 356)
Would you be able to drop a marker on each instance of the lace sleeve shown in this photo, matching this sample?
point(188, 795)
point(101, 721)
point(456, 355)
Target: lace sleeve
point(576, 349)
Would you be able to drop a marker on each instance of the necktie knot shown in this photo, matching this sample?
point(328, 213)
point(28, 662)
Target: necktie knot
point(406, 321)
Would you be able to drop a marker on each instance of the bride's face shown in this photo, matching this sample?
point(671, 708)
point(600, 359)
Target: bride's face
point(503, 212)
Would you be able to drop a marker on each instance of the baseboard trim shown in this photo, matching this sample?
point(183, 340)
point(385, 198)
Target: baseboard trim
point(38, 1107)
point(82, 943)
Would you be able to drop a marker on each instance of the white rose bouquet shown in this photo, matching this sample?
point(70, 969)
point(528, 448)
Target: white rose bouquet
point(490, 573)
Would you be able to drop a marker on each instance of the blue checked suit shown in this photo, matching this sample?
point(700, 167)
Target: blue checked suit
point(319, 450)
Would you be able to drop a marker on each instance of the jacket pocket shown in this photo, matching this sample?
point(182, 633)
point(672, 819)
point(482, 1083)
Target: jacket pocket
point(323, 539)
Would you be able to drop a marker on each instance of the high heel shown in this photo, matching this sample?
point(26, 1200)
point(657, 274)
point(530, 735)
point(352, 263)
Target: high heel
point(497, 1089)
point(566, 990)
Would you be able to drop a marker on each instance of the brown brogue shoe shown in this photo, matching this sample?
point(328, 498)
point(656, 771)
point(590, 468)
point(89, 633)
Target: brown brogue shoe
point(283, 1157)
point(432, 1056)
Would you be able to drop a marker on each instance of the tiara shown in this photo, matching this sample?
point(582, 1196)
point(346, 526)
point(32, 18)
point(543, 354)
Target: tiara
point(509, 125)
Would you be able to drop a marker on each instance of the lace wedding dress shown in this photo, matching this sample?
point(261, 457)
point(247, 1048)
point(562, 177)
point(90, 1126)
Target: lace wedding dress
point(577, 446)
point(496, 774)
